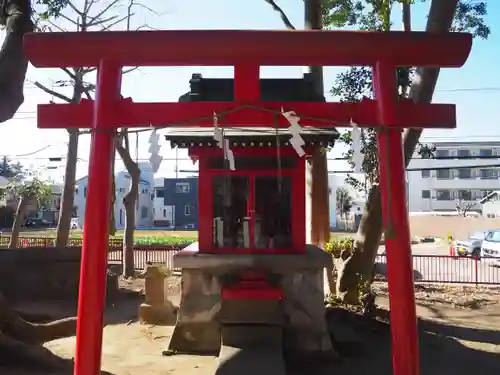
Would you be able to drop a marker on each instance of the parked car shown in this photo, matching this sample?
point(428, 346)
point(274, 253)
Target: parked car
point(471, 246)
point(490, 250)
point(74, 223)
point(36, 223)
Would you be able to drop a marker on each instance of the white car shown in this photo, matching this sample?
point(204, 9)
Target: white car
point(74, 224)
point(471, 246)
point(490, 250)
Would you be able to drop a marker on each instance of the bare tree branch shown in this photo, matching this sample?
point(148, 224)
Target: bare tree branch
point(52, 92)
point(108, 7)
point(148, 8)
point(107, 27)
point(76, 23)
point(103, 21)
point(145, 26)
point(68, 72)
point(282, 14)
point(56, 26)
point(75, 9)
point(88, 70)
point(87, 5)
point(125, 71)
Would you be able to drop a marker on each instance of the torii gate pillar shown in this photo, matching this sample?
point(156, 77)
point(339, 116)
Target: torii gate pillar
point(405, 358)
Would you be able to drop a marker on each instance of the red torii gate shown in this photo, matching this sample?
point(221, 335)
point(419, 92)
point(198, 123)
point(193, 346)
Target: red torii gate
point(246, 51)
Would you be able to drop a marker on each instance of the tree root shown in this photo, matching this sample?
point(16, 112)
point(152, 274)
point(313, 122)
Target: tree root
point(11, 324)
point(14, 353)
point(20, 340)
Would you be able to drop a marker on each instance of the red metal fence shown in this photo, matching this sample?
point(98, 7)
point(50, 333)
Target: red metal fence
point(426, 268)
point(450, 269)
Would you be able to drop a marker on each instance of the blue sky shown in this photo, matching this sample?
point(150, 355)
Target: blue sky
point(473, 88)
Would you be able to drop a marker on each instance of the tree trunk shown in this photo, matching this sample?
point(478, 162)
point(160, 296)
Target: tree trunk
point(129, 201)
point(360, 263)
point(18, 222)
point(68, 195)
point(16, 17)
point(320, 199)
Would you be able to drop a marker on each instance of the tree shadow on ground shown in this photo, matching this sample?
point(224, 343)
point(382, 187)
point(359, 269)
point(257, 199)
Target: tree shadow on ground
point(441, 352)
point(120, 309)
point(381, 272)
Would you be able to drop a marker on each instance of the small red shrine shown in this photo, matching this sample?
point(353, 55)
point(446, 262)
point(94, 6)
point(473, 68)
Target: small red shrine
point(252, 259)
point(261, 247)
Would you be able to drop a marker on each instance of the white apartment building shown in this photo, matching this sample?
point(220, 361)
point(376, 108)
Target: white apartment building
point(144, 206)
point(446, 181)
point(163, 215)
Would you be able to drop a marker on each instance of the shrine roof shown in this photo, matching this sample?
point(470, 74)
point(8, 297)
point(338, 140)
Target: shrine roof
point(249, 137)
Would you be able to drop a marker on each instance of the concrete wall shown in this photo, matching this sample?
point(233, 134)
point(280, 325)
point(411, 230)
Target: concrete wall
point(44, 274)
point(458, 226)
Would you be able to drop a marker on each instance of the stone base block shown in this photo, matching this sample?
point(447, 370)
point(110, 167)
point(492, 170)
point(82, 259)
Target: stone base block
point(251, 349)
point(158, 315)
point(196, 338)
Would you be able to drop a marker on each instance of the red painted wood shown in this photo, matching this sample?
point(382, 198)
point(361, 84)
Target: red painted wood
point(405, 352)
point(324, 115)
point(230, 47)
point(245, 292)
point(97, 213)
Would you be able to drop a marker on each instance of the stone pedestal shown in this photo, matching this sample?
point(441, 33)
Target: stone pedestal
point(155, 309)
point(198, 327)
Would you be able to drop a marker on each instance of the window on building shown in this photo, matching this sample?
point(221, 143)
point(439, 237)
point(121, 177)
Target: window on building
point(76, 191)
point(443, 195)
point(464, 173)
point(484, 193)
point(463, 153)
point(426, 174)
point(488, 174)
point(85, 192)
point(160, 193)
point(164, 213)
point(442, 153)
point(144, 212)
point(485, 152)
point(182, 187)
point(187, 210)
point(465, 195)
point(443, 174)
point(426, 194)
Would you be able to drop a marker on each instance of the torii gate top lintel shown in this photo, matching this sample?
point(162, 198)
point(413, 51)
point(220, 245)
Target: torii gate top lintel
point(230, 47)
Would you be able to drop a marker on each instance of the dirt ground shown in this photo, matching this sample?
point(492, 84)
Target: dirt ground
point(454, 341)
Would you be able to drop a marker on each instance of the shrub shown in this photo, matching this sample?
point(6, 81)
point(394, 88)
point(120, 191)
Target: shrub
point(337, 245)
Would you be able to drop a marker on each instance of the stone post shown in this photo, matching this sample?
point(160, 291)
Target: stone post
point(155, 309)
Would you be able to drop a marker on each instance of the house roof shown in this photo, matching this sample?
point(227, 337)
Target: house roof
point(489, 196)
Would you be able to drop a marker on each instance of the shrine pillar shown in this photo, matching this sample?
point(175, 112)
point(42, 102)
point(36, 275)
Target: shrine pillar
point(405, 352)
